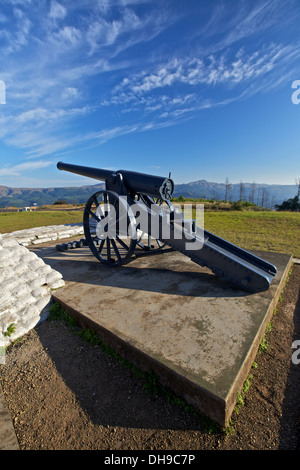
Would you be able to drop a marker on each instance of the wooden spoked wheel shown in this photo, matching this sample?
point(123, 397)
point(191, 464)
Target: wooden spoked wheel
point(145, 241)
point(109, 228)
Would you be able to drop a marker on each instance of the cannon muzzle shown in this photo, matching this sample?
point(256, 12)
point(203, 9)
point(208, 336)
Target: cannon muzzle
point(137, 183)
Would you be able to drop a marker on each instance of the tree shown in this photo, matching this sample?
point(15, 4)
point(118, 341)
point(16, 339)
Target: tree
point(253, 189)
point(228, 188)
point(59, 201)
point(264, 198)
point(241, 191)
point(292, 204)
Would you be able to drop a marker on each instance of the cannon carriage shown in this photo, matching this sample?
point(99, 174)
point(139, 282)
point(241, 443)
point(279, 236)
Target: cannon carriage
point(134, 216)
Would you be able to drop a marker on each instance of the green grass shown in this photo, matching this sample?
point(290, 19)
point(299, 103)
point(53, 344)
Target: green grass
point(252, 230)
point(11, 221)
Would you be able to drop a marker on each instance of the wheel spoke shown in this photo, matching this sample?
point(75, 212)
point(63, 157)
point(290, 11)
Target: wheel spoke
point(140, 238)
point(116, 250)
point(122, 243)
point(105, 205)
point(98, 207)
point(95, 200)
point(108, 249)
point(101, 246)
point(93, 215)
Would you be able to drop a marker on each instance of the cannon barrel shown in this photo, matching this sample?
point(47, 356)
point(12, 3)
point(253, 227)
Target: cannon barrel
point(138, 183)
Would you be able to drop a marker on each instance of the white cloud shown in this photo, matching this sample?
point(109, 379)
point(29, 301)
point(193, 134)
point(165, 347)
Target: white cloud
point(69, 93)
point(57, 11)
point(68, 34)
point(15, 39)
point(104, 32)
point(211, 70)
point(26, 166)
point(76, 66)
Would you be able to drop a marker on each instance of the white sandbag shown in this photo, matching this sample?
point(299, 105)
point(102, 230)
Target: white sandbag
point(58, 284)
point(52, 277)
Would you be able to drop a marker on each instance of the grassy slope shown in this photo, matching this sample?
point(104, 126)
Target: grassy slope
point(11, 221)
point(269, 231)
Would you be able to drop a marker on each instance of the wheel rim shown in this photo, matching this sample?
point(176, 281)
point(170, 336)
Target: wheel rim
point(109, 228)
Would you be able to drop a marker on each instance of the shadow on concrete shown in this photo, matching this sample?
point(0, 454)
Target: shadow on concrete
point(80, 265)
point(291, 403)
point(109, 393)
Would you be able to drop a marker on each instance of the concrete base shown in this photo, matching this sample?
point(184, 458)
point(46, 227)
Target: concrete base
point(8, 438)
point(167, 314)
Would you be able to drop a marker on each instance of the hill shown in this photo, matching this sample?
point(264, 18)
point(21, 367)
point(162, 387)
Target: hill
point(20, 197)
point(261, 194)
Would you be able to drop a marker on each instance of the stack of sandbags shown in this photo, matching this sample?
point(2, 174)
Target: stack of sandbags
point(36, 235)
point(25, 289)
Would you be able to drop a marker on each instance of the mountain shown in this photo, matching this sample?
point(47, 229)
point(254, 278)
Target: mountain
point(20, 197)
point(265, 195)
point(262, 194)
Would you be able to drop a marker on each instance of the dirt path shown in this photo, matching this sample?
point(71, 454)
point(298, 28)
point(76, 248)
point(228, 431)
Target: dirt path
point(64, 393)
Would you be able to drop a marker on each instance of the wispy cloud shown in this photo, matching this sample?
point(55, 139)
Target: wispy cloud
point(16, 170)
point(196, 80)
point(57, 11)
point(82, 73)
point(209, 70)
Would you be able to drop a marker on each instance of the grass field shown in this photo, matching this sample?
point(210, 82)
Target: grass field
point(267, 231)
point(11, 221)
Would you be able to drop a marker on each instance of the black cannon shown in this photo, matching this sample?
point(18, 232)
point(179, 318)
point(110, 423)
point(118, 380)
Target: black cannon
point(133, 216)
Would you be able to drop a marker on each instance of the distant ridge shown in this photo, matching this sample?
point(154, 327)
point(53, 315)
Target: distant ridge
point(265, 195)
point(20, 197)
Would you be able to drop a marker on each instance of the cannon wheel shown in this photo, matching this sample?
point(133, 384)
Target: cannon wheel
point(109, 246)
point(145, 241)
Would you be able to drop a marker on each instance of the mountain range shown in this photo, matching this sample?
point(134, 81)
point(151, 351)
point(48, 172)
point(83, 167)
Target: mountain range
point(261, 194)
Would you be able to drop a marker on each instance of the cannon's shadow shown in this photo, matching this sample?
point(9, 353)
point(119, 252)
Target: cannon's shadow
point(291, 402)
point(109, 393)
point(158, 274)
point(112, 395)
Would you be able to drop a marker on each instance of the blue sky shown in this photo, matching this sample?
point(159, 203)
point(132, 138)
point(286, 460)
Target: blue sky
point(201, 89)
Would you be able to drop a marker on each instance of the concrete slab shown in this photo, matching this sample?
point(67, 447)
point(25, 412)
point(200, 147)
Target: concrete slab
point(165, 313)
point(8, 439)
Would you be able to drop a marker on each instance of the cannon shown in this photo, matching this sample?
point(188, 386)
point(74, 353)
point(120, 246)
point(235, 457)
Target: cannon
point(134, 216)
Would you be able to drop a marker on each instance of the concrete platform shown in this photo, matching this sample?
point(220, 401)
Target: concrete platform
point(8, 438)
point(165, 313)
